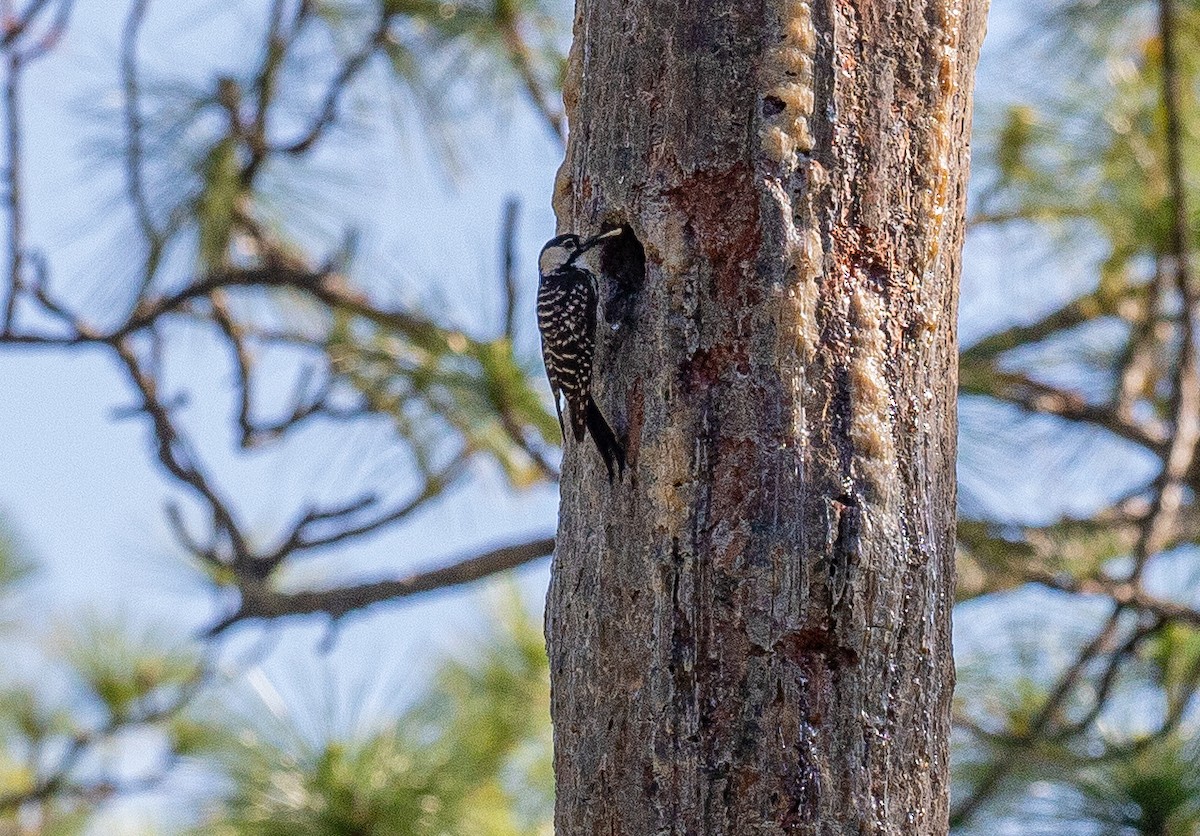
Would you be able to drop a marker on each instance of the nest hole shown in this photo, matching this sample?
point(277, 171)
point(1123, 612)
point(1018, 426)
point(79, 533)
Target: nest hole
point(623, 264)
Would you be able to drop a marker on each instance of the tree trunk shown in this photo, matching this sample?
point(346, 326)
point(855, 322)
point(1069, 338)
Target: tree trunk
point(750, 633)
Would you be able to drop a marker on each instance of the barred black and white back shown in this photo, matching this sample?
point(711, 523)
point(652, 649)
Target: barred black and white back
point(566, 312)
point(566, 309)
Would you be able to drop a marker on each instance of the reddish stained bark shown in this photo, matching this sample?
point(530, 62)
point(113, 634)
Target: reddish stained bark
point(750, 632)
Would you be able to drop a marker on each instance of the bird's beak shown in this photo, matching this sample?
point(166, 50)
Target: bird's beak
point(600, 239)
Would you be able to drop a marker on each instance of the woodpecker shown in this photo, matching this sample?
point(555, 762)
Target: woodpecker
point(566, 312)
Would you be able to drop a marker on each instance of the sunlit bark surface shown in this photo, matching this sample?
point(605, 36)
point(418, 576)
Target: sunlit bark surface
point(750, 633)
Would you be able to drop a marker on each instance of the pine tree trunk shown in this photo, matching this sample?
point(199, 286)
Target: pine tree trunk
point(750, 633)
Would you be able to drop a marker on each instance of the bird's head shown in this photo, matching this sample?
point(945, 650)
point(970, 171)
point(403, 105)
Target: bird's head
point(562, 250)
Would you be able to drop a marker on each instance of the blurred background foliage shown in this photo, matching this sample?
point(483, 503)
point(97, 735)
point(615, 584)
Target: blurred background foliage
point(1078, 628)
point(471, 756)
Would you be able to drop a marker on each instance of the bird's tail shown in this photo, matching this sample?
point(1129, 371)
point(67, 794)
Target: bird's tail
point(606, 440)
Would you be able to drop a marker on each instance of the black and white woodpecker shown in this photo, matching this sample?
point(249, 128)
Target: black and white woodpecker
point(566, 312)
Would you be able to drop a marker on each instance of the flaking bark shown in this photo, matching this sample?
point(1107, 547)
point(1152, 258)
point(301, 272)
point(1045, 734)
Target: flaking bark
point(750, 634)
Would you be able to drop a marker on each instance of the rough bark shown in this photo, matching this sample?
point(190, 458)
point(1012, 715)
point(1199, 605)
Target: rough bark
point(750, 634)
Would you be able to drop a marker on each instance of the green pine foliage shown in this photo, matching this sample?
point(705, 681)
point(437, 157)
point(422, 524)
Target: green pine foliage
point(469, 758)
point(1057, 733)
point(76, 691)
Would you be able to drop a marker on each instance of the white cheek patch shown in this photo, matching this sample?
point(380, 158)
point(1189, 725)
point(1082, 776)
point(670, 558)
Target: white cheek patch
point(552, 259)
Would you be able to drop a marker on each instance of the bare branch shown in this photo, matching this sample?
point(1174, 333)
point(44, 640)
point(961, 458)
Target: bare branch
point(1177, 706)
point(295, 539)
point(1182, 450)
point(305, 409)
point(435, 484)
point(515, 432)
point(174, 453)
point(277, 45)
point(1124, 594)
point(274, 275)
point(1108, 679)
point(353, 507)
point(184, 537)
point(508, 250)
point(16, 212)
point(242, 363)
point(521, 57)
point(134, 151)
point(343, 600)
point(1144, 350)
point(990, 783)
point(53, 33)
point(15, 27)
point(1076, 312)
point(327, 112)
point(1042, 398)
